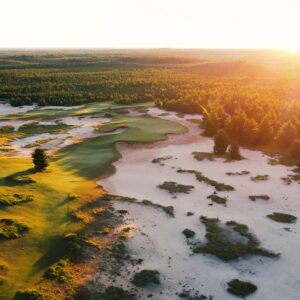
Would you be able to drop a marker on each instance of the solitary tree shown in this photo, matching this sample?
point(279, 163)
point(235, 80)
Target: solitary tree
point(221, 142)
point(234, 151)
point(40, 159)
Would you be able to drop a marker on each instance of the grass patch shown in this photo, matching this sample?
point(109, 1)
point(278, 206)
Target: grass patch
point(229, 242)
point(146, 277)
point(282, 218)
point(15, 199)
point(219, 186)
point(12, 229)
point(260, 178)
point(35, 128)
point(93, 157)
point(241, 288)
point(217, 199)
point(259, 197)
point(174, 187)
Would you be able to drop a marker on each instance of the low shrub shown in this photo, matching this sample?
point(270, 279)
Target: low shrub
point(12, 229)
point(219, 186)
point(58, 272)
point(188, 233)
point(116, 293)
point(238, 173)
point(282, 218)
point(29, 295)
point(146, 277)
point(241, 288)
point(260, 178)
point(15, 199)
point(257, 197)
point(78, 247)
point(227, 246)
point(174, 187)
point(217, 199)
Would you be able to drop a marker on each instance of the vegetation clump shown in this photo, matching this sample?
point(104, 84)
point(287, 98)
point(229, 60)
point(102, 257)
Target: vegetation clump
point(260, 178)
point(146, 277)
point(188, 233)
point(120, 252)
point(204, 155)
point(241, 288)
point(229, 242)
point(221, 141)
point(219, 186)
point(15, 199)
point(78, 247)
point(257, 197)
point(116, 293)
point(174, 187)
point(40, 159)
point(12, 229)
point(234, 151)
point(217, 199)
point(72, 196)
point(159, 160)
point(282, 218)
point(58, 272)
point(169, 210)
point(238, 173)
point(30, 294)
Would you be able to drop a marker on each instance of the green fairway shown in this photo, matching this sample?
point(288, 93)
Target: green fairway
point(93, 157)
point(73, 170)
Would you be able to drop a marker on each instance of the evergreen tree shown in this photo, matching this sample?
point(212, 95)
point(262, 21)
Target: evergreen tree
point(40, 159)
point(221, 142)
point(234, 151)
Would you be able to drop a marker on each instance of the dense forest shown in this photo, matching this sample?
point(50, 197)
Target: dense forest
point(257, 104)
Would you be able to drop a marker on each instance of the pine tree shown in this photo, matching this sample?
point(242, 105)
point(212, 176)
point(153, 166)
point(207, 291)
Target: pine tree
point(221, 142)
point(40, 159)
point(234, 151)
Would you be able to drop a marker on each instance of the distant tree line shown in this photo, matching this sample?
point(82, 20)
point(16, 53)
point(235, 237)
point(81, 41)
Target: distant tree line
point(252, 111)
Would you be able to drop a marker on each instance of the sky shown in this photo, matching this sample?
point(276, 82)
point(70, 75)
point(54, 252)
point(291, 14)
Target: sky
point(150, 24)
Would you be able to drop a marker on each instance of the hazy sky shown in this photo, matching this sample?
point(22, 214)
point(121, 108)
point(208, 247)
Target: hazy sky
point(150, 23)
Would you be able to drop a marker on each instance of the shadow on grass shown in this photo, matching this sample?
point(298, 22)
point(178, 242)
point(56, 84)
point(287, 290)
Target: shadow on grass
point(56, 251)
point(18, 178)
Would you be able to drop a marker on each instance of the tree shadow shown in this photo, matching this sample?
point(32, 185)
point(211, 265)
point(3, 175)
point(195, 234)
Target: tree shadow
point(18, 178)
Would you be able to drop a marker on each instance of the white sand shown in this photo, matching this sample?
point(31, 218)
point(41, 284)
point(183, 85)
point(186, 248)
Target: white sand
point(159, 237)
point(7, 109)
point(84, 127)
